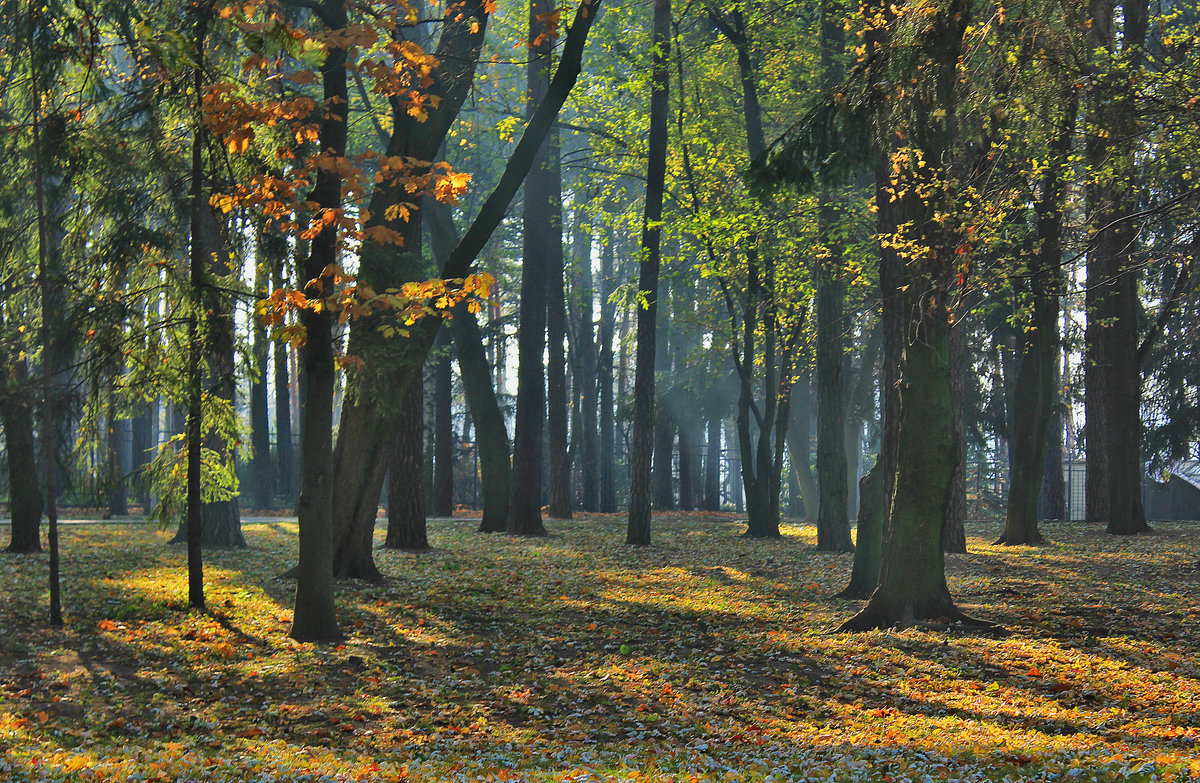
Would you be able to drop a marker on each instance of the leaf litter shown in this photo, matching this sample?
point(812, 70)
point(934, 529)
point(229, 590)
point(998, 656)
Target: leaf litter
point(574, 657)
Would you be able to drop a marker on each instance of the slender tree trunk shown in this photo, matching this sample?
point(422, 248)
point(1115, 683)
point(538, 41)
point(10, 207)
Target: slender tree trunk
point(491, 432)
point(663, 473)
point(800, 445)
point(1035, 391)
point(833, 522)
point(638, 532)
point(954, 533)
point(283, 415)
point(604, 371)
point(586, 377)
point(556, 335)
point(541, 234)
point(443, 433)
point(712, 465)
point(314, 617)
point(262, 469)
point(406, 527)
point(119, 458)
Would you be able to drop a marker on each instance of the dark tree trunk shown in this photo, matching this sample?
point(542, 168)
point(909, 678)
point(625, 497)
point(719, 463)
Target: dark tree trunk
point(712, 466)
point(912, 579)
point(144, 440)
point(688, 453)
point(443, 431)
point(556, 334)
point(541, 234)
point(1035, 391)
point(491, 432)
point(800, 446)
point(272, 249)
point(833, 521)
point(583, 342)
point(604, 372)
point(662, 477)
point(868, 546)
point(1053, 501)
point(119, 458)
point(24, 496)
point(638, 532)
point(283, 415)
point(406, 476)
point(314, 617)
point(954, 534)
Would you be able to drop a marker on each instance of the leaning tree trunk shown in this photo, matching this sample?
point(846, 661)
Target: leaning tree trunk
point(406, 527)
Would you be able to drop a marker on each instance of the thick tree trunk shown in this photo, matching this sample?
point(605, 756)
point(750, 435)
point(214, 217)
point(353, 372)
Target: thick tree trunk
point(406, 527)
point(912, 579)
point(24, 496)
point(443, 431)
point(638, 532)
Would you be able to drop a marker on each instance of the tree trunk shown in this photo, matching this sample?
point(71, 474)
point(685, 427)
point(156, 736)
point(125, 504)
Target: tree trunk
point(833, 522)
point(271, 250)
point(868, 546)
point(539, 233)
point(556, 335)
point(712, 465)
point(24, 496)
point(688, 452)
point(799, 445)
point(663, 474)
point(583, 341)
point(954, 534)
point(1035, 391)
point(604, 372)
point(443, 433)
point(314, 617)
point(638, 532)
point(406, 527)
point(283, 415)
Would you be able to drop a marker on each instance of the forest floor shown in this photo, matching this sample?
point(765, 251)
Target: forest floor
point(574, 657)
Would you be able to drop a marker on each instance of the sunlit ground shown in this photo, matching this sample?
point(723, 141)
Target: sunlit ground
point(704, 657)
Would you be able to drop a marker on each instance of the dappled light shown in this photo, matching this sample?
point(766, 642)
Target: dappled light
point(572, 657)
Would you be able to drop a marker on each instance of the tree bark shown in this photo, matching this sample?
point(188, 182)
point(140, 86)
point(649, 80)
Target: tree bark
point(712, 465)
point(954, 534)
point(868, 546)
point(1035, 391)
point(604, 372)
point(583, 342)
point(556, 329)
point(314, 616)
point(406, 528)
point(283, 415)
point(443, 434)
point(638, 532)
point(800, 445)
point(24, 496)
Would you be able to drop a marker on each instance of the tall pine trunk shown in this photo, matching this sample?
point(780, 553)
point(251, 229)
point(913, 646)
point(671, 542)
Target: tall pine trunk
point(638, 531)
